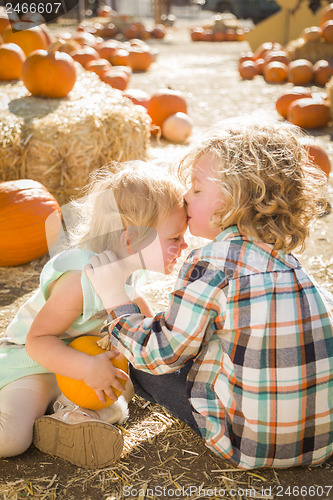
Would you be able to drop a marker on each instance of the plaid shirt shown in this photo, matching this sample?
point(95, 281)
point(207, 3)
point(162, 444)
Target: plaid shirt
point(261, 335)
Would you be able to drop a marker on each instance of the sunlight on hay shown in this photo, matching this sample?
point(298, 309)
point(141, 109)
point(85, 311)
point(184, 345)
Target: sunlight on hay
point(58, 142)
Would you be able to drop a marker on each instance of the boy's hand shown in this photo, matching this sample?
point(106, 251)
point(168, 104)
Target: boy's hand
point(102, 375)
point(108, 276)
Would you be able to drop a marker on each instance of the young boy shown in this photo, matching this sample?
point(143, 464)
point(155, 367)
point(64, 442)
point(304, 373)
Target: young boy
point(244, 352)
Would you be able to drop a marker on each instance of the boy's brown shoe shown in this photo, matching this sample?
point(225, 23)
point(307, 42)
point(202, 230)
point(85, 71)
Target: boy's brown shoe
point(91, 444)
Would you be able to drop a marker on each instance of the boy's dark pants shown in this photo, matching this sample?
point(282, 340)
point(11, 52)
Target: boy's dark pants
point(167, 390)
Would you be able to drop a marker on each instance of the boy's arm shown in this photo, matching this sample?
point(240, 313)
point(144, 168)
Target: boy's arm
point(163, 343)
point(144, 306)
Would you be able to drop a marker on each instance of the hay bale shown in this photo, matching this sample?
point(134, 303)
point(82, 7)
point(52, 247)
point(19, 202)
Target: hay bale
point(58, 142)
point(313, 51)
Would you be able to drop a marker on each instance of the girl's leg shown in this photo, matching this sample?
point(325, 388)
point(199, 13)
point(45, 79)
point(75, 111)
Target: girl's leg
point(21, 402)
point(167, 390)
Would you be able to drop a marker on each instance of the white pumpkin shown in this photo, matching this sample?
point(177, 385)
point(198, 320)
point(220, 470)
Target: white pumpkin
point(177, 127)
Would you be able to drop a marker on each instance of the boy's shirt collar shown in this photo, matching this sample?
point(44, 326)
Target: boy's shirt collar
point(261, 258)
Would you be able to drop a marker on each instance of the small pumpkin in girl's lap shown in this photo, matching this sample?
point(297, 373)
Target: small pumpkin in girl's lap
point(78, 391)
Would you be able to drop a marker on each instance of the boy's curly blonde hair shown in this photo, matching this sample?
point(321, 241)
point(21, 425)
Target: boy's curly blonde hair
point(270, 188)
point(119, 196)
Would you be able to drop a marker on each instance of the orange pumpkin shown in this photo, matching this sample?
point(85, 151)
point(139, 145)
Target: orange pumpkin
point(28, 38)
point(68, 45)
point(312, 34)
point(85, 38)
point(326, 15)
point(11, 60)
point(219, 36)
point(197, 34)
point(140, 59)
point(138, 96)
point(247, 70)
point(104, 11)
point(283, 102)
point(277, 55)
point(125, 69)
point(24, 207)
point(158, 32)
point(309, 113)
point(78, 391)
point(6, 19)
point(107, 49)
point(120, 57)
point(300, 72)
point(49, 73)
point(118, 79)
point(131, 31)
point(275, 72)
point(85, 55)
point(98, 66)
point(108, 30)
point(260, 65)
point(4, 22)
point(246, 56)
point(327, 30)
point(240, 35)
point(264, 48)
point(323, 71)
point(165, 103)
point(317, 156)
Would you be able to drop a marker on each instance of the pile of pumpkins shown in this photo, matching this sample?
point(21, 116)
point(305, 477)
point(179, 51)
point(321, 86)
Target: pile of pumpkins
point(120, 26)
point(47, 67)
point(274, 62)
point(222, 28)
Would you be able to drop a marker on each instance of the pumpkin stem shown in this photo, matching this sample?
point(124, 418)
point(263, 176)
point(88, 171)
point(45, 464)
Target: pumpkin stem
point(56, 45)
point(104, 343)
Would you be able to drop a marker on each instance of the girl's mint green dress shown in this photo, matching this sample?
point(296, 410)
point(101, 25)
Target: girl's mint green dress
point(14, 361)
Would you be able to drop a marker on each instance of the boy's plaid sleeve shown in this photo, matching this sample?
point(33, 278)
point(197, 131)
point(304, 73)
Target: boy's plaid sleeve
point(163, 343)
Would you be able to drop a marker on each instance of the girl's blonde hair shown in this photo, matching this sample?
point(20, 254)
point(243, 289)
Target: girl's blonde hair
point(270, 190)
point(119, 196)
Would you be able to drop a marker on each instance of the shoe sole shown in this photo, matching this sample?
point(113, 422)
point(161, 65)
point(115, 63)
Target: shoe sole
point(91, 445)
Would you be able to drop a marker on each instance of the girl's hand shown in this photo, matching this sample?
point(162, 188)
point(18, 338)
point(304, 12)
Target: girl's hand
point(108, 276)
point(102, 376)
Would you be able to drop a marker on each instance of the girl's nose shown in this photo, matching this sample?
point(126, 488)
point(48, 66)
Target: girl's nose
point(186, 198)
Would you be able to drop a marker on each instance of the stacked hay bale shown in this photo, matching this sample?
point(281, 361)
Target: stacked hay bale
point(223, 22)
point(58, 142)
point(313, 51)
